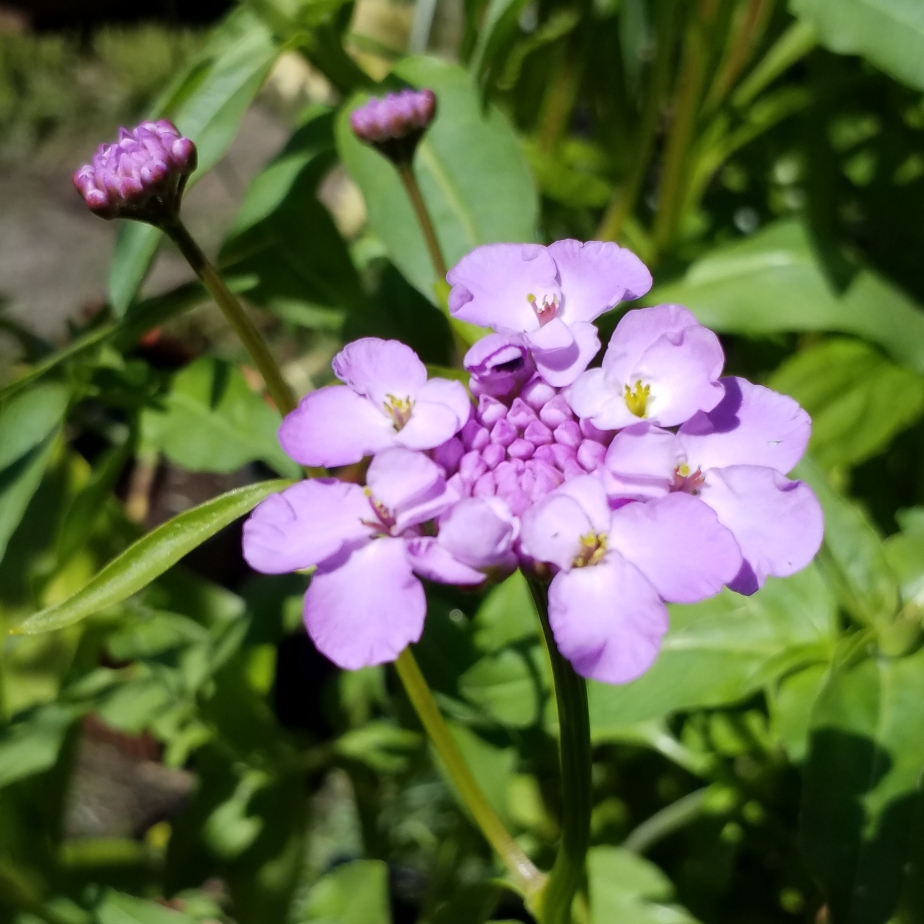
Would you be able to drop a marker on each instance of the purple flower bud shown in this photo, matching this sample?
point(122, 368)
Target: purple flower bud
point(140, 176)
point(395, 123)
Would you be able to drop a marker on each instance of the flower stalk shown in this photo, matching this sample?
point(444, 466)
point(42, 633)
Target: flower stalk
point(528, 879)
point(234, 313)
point(575, 761)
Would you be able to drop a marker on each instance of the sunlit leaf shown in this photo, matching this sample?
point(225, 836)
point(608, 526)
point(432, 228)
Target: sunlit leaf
point(151, 556)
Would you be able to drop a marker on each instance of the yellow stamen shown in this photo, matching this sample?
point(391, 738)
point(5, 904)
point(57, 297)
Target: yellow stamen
point(399, 410)
point(593, 548)
point(637, 399)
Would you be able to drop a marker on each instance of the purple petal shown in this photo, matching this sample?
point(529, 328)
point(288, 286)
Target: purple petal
point(429, 425)
point(595, 276)
point(588, 492)
point(641, 461)
point(639, 328)
point(590, 396)
point(492, 285)
point(678, 543)
point(552, 530)
point(608, 620)
point(365, 609)
point(433, 561)
point(480, 532)
point(751, 425)
point(561, 365)
point(409, 485)
point(380, 369)
point(335, 426)
point(305, 525)
point(499, 364)
point(450, 394)
point(778, 523)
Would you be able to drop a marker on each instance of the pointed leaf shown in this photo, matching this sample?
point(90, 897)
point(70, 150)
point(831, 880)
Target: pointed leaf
point(151, 556)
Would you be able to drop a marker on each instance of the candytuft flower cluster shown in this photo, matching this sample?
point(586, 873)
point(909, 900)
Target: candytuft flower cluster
point(141, 176)
point(649, 480)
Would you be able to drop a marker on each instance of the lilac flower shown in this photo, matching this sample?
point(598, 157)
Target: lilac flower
point(387, 401)
point(735, 459)
point(617, 567)
point(661, 365)
point(141, 175)
point(522, 450)
point(546, 298)
point(395, 123)
point(364, 605)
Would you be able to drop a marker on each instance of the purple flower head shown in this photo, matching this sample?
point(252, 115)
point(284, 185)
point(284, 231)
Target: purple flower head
point(142, 175)
point(521, 450)
point(387, 401)
point(735, 458)
point(364, 604)
point(615, 569)
point(661, 365)
point(550, 296)
point(395, 123)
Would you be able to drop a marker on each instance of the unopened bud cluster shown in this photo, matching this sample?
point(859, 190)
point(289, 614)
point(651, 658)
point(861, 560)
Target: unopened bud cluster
point(142, 175)
point(394, 124)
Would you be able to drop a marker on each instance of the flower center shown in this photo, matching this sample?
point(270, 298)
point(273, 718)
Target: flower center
point(593, 548)
point(384, 521)
point(687, 480)
point(399, 410)
point(637, 398)
point(546, 310)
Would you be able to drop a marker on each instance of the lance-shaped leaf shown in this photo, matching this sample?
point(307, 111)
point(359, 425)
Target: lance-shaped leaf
point(863, 771)
point(151, 556)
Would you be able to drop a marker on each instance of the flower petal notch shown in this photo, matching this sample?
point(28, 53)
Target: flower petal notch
point(386, 401)
point(140, 176)
point(548, 295)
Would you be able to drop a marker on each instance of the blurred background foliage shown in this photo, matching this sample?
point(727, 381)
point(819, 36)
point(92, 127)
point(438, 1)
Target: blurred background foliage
point(177, 750)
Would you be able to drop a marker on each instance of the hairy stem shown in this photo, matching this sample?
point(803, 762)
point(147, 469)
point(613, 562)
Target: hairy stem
point(527, 878)
point(235, 315)
point(575, 760)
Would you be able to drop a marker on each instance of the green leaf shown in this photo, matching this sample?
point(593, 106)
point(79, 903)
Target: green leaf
point(853, 557)
point(722, 650)
point(29, 423)
point(888, 32)
point(31, 745)
point(791, 708)
point(905, 555)
point(207, 104)
point(772, 282)
point(506, 615)
point(151, 556)
point(212, 421)
point(472, 173)
point(858, 400)
point(384, 747)
point(119, 908)
point(355, 893)
point(508, 685)
point(285, 238)
point(625, 887)
point(864, 767)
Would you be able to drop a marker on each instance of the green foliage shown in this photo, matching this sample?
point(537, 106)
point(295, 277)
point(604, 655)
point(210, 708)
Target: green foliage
point(767, 768)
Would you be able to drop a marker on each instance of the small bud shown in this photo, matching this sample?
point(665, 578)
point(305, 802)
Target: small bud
point(140, 176)
point(395, 124)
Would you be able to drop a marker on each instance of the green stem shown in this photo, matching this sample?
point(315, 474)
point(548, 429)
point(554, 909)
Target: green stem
point(406, 172)
point(690, 84)
point(235, 315)
point(560, 97)
point(528, 879)
point(625, 197)
point(575, 760)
